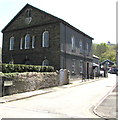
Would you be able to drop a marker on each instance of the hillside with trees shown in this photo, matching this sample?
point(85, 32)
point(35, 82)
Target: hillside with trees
point(105, 51)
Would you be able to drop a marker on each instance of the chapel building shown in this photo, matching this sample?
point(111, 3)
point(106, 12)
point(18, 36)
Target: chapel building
point(39, 38)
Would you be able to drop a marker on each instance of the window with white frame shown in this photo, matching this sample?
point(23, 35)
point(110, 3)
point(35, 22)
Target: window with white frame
point(73, 66)
point(45, 39)
point(73, 43)
point(21, 43)
point(80, 45)
point(87, 48)
point(33, 41)
point(81, 66)
point(45, 62)
point(11, 47)
point(27, 41)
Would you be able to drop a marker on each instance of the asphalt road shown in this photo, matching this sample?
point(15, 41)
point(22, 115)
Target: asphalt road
point(72, 102)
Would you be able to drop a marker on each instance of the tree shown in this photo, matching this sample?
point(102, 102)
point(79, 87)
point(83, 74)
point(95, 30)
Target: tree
point(101, 48)
point(110, 55)
point(104, 51)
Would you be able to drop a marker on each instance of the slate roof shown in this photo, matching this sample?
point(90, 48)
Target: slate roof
point(110, 62)
point(58, 19)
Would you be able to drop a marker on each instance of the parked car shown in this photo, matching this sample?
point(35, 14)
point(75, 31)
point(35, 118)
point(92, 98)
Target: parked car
point(113, 71)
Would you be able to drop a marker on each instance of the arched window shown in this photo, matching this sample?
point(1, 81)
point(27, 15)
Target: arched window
point(27, 41)
point(33, 41)
point(87, 48)
point(11, 61)
point(11, 47)
point(45, 39)
point(81, 67)
point(45, 62)
point(27, 61)
point(81, 46)
point(73, 66)
point(73, 43)
point(21, 43)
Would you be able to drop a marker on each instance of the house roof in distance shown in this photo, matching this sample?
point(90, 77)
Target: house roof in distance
point(58, 19)
point(107, 61)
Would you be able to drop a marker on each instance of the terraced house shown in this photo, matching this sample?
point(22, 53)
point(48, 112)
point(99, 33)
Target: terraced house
point(39, 38)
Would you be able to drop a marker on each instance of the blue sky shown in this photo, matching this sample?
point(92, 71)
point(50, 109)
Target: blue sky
point(97, 18)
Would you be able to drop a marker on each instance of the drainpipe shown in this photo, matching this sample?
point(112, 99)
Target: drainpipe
point(65, 49)
point(84, 55)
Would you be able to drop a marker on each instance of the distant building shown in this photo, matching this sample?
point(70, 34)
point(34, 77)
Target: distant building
point(96, 66)
point(38, 38)
point(108, 43)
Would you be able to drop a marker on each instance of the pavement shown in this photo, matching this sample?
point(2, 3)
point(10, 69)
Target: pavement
point(106, 108)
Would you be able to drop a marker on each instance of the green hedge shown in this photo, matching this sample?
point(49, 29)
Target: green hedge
point(9, 68)
point(8, 75)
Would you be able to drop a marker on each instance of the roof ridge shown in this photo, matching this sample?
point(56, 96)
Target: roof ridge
point(59, 20)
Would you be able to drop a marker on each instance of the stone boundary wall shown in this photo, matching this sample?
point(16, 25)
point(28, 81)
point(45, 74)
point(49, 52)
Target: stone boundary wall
point(31, 81)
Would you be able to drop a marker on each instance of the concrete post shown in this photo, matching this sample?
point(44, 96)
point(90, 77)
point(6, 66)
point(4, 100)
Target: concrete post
point(64, 77)
point(1, 87)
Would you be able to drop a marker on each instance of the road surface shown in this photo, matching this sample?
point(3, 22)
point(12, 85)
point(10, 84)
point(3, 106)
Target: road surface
point(72, 102)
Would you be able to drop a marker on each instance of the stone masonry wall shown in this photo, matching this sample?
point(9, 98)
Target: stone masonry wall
point(31, 81)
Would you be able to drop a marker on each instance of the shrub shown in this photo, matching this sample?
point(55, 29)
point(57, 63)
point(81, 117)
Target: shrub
point(9, 68)
point(8, 75)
